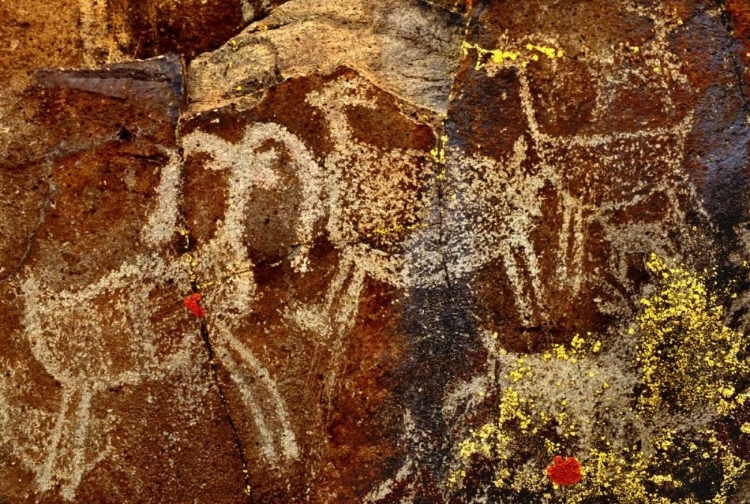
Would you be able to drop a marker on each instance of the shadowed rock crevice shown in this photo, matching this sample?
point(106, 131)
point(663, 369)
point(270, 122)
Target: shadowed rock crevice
point(213, 366)
point(186, 249)
point(225, 405)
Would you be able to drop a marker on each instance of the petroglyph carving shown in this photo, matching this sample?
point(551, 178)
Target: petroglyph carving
point(360, 202)
point(582, 180)
point(626, 181)
point(92, 339)
point(250, 167)
point(344, 197)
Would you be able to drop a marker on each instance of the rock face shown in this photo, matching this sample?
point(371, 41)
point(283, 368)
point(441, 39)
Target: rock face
point(314, 251)
point(567, 154)
point(297, 221)
point(101, 361)
point(191, 27)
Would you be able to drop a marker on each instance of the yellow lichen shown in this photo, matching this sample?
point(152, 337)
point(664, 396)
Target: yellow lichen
point(499, 56)
point(550, 52)
point(688, 357)
point(496, 55)
point(688, 361)
point(438, 152)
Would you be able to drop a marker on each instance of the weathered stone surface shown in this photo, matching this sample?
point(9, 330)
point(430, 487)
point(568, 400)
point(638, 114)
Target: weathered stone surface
point(298, 219)
point(190, 27)
point(556, 199)
point(578, 144)
point(101, 361)
point(383, 251)
point(410, 48)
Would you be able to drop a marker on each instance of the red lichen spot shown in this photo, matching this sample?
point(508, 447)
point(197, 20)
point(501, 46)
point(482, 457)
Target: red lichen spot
point(191, 303)
point(468, 3)
point(564, 471)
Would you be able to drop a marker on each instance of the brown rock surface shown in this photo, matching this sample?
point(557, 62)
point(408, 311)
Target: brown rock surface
point(391, 216)
point(557, 197)
point(190, 27)
point(101, 361)
point(301, 262)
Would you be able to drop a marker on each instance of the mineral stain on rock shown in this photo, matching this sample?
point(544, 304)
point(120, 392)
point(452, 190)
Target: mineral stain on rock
point(435, 251)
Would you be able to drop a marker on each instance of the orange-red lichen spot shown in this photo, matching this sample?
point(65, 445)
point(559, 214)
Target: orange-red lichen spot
point(564, 471)
point(191, 303)
point(468, 3)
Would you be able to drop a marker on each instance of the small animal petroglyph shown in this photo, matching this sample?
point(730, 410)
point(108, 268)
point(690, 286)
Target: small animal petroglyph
point(92, 339)
point(328, 203)
point(537, 205)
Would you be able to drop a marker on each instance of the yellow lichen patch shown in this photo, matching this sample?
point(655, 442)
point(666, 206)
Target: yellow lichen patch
point(689, 359)
point(521, 421)
point(661, 448)
point(550, 52)
point(496, 55)
point(655, 475)
point(499, 56)
point(438, 152)
point(496, 440)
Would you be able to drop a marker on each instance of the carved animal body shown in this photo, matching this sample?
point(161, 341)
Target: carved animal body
point(89, 344)
point(552, 205)
point(78, 350)
point(328, 206)
point(553, 218)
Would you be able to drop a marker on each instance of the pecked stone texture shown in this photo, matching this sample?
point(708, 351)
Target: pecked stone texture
point(396, 216)
point(100, 360)
point(578, 144)
point(301, 262)
point(555, 200)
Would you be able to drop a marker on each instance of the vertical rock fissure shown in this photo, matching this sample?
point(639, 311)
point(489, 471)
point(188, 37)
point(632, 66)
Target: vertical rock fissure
point(225, 403)
point(738, 71)
point(442, 146)
point(441, 212)
point(206, 338)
